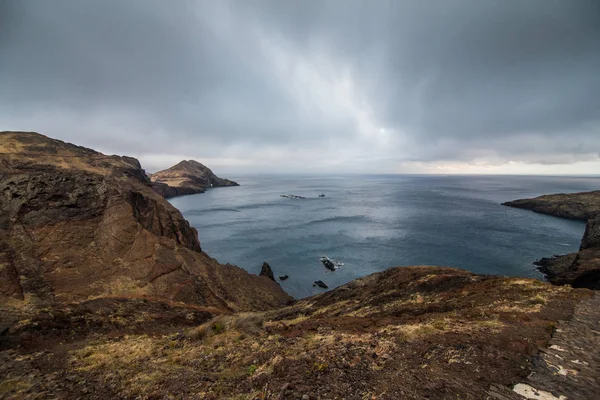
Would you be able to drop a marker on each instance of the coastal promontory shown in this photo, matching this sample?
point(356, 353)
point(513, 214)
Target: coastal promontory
point(186, 177)
point(580, 269)
point(76, 224)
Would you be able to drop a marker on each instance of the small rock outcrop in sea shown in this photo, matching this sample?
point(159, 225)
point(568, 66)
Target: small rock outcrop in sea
point(283, 277)
point(330, 264)
point(267, 271)
point(581, 269)
point(187, 177)
point(320, 284)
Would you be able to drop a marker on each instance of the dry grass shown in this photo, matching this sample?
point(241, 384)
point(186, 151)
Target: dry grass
point(245, 323)
point(13, 386)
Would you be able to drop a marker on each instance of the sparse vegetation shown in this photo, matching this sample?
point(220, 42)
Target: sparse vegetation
point(372, 335)
point(252, 369)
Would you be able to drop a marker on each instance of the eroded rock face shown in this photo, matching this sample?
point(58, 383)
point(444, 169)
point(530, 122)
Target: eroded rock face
point(187, 177)
point(591, 237)
point(77, 224)
point(581, 269)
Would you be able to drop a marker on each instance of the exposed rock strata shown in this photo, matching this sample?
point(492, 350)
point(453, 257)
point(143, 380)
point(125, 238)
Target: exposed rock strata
point(186, 177)
point(77, 224)
point(581, 269)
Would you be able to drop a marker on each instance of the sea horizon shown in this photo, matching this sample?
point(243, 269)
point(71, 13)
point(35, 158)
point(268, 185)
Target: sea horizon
point(381, 221)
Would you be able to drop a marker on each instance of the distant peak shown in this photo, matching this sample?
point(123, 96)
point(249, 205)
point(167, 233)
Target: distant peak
point(188, 163)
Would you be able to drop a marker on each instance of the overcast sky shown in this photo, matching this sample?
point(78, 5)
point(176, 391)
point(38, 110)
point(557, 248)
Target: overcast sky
point(465, 86)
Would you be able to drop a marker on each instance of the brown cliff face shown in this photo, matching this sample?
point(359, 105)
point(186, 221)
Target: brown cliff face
point(581, 269)
point(77, 224)
point(187, 177)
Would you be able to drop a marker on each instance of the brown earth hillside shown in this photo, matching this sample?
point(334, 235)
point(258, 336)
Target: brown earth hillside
point(187, 177)
point(77, 224)
point(405, 333)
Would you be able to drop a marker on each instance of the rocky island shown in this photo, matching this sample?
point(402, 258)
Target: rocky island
point(186, 177)
point(580, 269)
point(105, 292)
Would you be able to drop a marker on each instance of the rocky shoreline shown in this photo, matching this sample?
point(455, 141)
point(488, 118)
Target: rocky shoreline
point(580, 269)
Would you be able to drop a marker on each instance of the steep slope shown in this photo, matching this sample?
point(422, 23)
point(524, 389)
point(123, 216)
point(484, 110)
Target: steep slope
point(76, 224)
point(581, 269)
point(187, 177)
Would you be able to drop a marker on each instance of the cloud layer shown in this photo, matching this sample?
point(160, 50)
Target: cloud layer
point(316, 86)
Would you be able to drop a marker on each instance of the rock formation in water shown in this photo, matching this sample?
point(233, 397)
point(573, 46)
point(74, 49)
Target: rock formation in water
point(76, 224)
point(187, 177)
point(267, 271)
point(581, 269)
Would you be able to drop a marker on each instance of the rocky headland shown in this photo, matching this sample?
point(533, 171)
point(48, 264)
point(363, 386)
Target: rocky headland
point(580, 269)
point(77, 224)
point(105, 293)
point(186, 177)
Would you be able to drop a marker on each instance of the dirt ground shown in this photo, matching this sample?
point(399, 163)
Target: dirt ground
point(405, 333)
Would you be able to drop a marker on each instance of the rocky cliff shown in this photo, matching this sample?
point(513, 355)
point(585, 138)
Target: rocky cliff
point(77, 224)
point(186, 177)
point(581, 269)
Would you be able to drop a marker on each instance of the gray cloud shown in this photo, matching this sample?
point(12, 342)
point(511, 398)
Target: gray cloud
point(386, 86)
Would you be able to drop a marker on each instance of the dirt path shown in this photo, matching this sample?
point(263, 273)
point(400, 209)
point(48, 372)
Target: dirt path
point(570, 367)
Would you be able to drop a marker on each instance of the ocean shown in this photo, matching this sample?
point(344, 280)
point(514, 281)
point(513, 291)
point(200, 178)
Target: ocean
point(373, 222)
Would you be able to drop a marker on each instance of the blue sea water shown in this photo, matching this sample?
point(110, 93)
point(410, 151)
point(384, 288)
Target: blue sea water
point(371, 223)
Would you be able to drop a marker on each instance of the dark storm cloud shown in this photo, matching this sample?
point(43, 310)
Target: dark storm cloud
point(257, 84)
